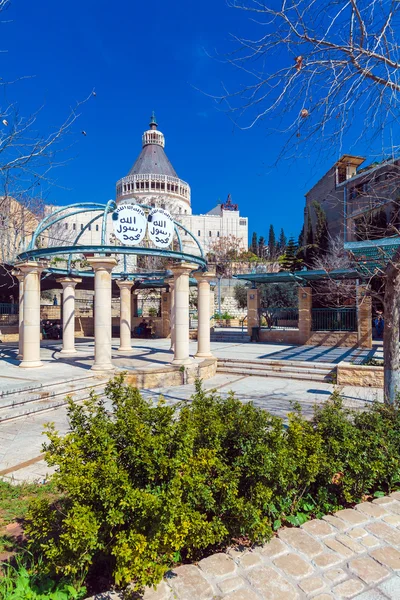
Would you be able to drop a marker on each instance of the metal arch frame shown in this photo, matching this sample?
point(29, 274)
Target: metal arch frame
point(64, 212)
point(105, 209)
point(48, 222)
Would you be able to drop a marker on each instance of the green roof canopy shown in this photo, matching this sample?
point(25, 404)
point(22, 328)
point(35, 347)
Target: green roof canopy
point(300, 276)
point(372, 256)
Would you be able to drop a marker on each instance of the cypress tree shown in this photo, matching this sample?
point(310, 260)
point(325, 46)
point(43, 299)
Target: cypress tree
point(254, 245)
point(321, 229)
point(261, 247)
point(271, 242)
point(282, 242)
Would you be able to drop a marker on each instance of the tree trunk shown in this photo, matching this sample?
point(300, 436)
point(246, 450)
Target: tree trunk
point(391, 352)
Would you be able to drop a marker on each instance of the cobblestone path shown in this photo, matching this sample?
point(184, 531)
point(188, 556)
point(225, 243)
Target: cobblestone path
point(353, 554)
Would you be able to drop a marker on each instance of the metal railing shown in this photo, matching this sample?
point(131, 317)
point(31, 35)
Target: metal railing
point(8, 313)
point(334, 319)
point(280, 318)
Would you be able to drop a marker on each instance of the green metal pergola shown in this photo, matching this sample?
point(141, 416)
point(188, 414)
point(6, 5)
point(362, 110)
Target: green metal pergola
point(372, 256)
point(300, 277)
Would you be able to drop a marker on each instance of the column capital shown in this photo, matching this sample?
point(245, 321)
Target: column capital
point(124, 284)
point(204, 276)
point(107, 263)
point(183, 267)
point(72, 281)
point(29, 266)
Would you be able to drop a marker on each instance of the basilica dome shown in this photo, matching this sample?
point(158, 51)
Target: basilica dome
point(152, 179)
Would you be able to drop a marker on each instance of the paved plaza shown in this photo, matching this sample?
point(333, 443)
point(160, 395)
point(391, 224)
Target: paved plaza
point(21, 439)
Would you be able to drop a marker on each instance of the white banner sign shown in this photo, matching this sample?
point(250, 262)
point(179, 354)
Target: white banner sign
point(129, 224)
point(161, 227)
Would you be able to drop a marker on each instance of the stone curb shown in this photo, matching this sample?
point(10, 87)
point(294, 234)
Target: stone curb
point(354, 553)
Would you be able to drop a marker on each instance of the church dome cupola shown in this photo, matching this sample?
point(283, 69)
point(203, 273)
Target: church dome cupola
point(152, 135)
point(152, 180)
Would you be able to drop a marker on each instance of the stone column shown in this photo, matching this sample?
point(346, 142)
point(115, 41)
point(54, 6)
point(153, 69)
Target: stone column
point(364, 318)
point(203, 311)
point(102, 266)
point(31, 271)
point(68, 314)
point(305, 314)
point(181, 311)
point(253, 314)
point(125, 287)
point(20, 277)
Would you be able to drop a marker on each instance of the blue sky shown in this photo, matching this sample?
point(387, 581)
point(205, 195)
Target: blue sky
point(139, 57)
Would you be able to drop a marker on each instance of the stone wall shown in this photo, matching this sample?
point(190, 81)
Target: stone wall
point(359, 375)
point(281, 336)
point(346, 339)
point(171, 375)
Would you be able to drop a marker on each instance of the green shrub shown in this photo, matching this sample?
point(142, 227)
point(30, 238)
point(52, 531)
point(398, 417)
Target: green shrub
point(150, 484)
point(25, 580)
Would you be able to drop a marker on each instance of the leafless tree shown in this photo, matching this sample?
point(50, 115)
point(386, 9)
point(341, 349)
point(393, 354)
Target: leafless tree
point(312, 68)
point(27, 158)
point(334, 292)
point(223, 252)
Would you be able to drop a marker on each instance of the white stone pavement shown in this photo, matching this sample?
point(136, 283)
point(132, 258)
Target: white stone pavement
point(352, 554)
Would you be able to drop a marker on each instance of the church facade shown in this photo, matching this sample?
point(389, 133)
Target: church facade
point(152, 181)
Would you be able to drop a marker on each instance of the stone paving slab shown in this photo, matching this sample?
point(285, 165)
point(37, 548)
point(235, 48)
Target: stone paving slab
point(289, 567)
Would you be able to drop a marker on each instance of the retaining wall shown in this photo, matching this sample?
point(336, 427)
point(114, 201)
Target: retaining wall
point(359, 375)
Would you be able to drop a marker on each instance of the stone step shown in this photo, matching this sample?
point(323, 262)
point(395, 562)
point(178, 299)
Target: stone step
point(271, 367)
point(48, 392)
point(276, 374)
point(297, 364)
point(32, 407)
point(35, 385)
point(243, 339)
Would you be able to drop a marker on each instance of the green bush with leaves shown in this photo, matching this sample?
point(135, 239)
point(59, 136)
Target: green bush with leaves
point(149, 485)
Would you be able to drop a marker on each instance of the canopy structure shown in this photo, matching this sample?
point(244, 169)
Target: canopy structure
point(300, 277)
point(372, 256)
point(99, 212)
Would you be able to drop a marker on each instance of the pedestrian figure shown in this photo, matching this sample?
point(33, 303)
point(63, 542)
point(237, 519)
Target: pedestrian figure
point(379, 324)
point(55, 301)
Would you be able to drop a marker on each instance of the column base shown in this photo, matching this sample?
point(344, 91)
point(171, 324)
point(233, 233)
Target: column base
point(105, 367)
point(204, 355)
point(127, 349)
point(68, 352)
point(182, 361)
point(30, 364)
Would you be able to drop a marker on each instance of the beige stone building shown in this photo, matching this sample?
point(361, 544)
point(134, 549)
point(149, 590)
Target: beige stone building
point(359, 202)
point(18, 221)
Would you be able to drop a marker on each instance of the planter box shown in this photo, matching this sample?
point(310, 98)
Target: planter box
point(360, 375)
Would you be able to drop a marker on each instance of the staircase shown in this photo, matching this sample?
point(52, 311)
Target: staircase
point(231, 336)
point(38, 398)
point(286, 369)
